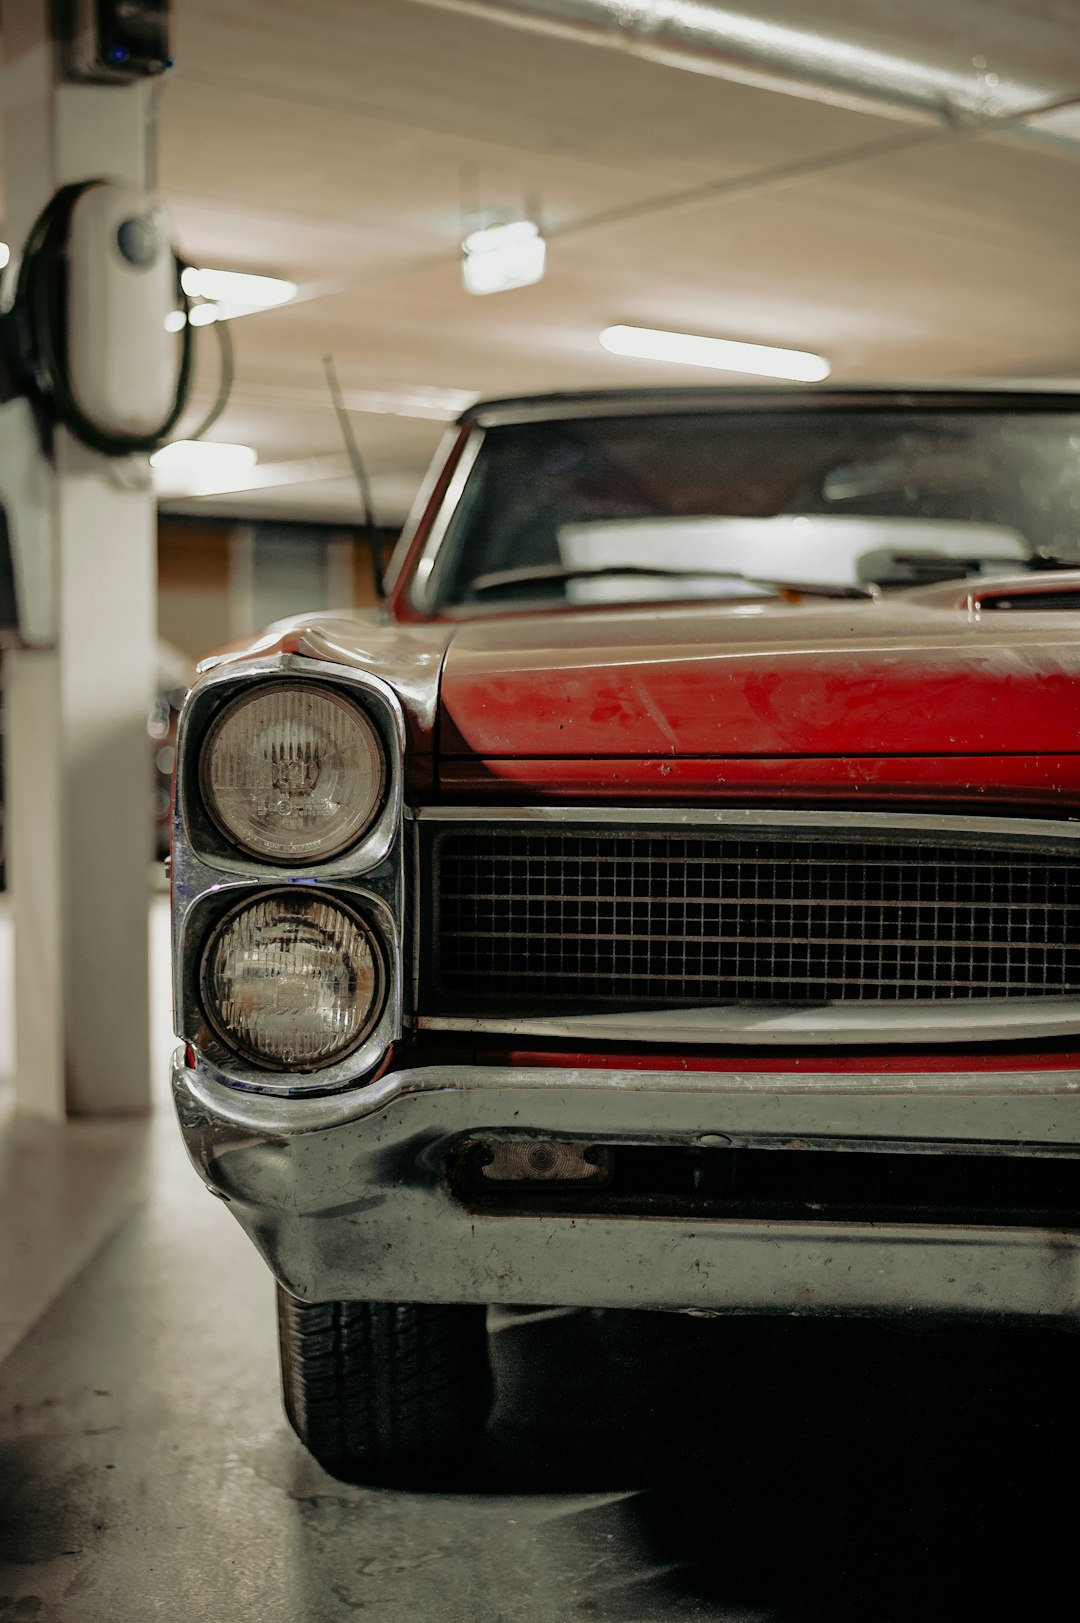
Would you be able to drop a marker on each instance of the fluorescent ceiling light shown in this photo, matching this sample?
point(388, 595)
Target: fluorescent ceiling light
point(202, 315)
point(503, 256)
point(687, 349)
point(238, 288)
point(213, 457)
point(492, 237)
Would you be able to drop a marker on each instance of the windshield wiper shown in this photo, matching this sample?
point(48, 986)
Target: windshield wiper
point(502, 579)
point(1050, 560)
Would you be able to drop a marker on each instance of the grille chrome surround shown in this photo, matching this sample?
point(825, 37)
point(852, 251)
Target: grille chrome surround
point(571, 912)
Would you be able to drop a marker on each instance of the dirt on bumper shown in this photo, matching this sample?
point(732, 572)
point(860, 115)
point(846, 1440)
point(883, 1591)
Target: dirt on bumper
point(347, 1197)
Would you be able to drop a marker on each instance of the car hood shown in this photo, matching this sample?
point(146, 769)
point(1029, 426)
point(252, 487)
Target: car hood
point(925, 674)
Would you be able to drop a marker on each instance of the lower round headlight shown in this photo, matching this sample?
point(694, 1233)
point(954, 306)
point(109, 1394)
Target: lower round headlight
point(292, 981)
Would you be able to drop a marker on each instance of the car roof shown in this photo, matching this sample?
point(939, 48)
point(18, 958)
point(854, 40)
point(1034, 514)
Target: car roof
point(977, 396)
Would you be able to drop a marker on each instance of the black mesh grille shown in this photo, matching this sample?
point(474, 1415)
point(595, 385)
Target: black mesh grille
point(1034, 602)
point(618, 915)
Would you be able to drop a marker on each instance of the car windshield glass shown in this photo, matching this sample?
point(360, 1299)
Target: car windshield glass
point(872, 498)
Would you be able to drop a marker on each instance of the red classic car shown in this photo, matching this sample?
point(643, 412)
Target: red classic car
point(670, 901)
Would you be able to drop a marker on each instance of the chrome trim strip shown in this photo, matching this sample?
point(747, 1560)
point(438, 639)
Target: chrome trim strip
point(955, 1021)
point(989, 1106)
point(932, 823)
point(816, 397)
point(419, 508)
point(419, 591)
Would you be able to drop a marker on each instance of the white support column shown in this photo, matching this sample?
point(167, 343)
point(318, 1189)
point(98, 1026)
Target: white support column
point(78, 781)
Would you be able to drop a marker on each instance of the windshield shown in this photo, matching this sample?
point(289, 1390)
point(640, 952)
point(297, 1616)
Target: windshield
point(719, 503)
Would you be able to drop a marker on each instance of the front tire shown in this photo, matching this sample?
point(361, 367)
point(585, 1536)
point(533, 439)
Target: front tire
point(385, 1391)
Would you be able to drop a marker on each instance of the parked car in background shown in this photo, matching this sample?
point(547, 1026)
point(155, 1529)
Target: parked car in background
point(670, 902)
point(174, 673)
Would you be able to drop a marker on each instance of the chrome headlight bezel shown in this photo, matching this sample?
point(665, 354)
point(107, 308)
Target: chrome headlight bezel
point(197, 836)
point(210, 876)
point(219, 1059)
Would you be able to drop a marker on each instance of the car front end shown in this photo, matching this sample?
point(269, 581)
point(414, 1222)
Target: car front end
point(517, 1093)
point(709, 956)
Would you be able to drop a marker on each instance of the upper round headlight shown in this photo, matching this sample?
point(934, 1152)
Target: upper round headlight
point(292, 981)
point(293, 773)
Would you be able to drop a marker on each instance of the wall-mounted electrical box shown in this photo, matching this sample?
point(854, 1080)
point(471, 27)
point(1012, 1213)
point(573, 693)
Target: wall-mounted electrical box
point(115, 41)
point(121, 286)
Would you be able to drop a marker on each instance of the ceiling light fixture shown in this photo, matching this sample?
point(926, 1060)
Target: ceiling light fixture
point(245, 291)
point(723, 355)
point(500, 257)
point(5, 254)
point(195, 458)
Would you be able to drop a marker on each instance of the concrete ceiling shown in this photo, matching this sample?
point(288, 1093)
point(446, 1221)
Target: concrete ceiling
point(336, 142)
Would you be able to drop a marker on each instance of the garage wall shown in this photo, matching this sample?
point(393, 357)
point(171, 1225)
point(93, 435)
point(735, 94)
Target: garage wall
point(219, 579)
point(193, 584)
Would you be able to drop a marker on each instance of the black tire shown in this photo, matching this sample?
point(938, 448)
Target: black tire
point(385, 1391)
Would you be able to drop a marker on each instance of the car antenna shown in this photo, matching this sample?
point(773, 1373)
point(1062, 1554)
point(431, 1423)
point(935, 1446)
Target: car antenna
point(352, 450)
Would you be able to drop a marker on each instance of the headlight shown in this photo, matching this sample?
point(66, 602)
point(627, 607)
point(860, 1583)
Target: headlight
point(292, 981)
point(292, 773)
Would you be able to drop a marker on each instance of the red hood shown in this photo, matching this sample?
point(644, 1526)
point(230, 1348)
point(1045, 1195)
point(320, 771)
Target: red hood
point(920, 675)
point(921, 697)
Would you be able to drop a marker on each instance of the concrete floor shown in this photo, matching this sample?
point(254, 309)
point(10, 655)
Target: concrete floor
point(638, 1468)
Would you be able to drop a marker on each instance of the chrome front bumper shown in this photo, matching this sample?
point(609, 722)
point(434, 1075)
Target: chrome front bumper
point(346, 1196)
